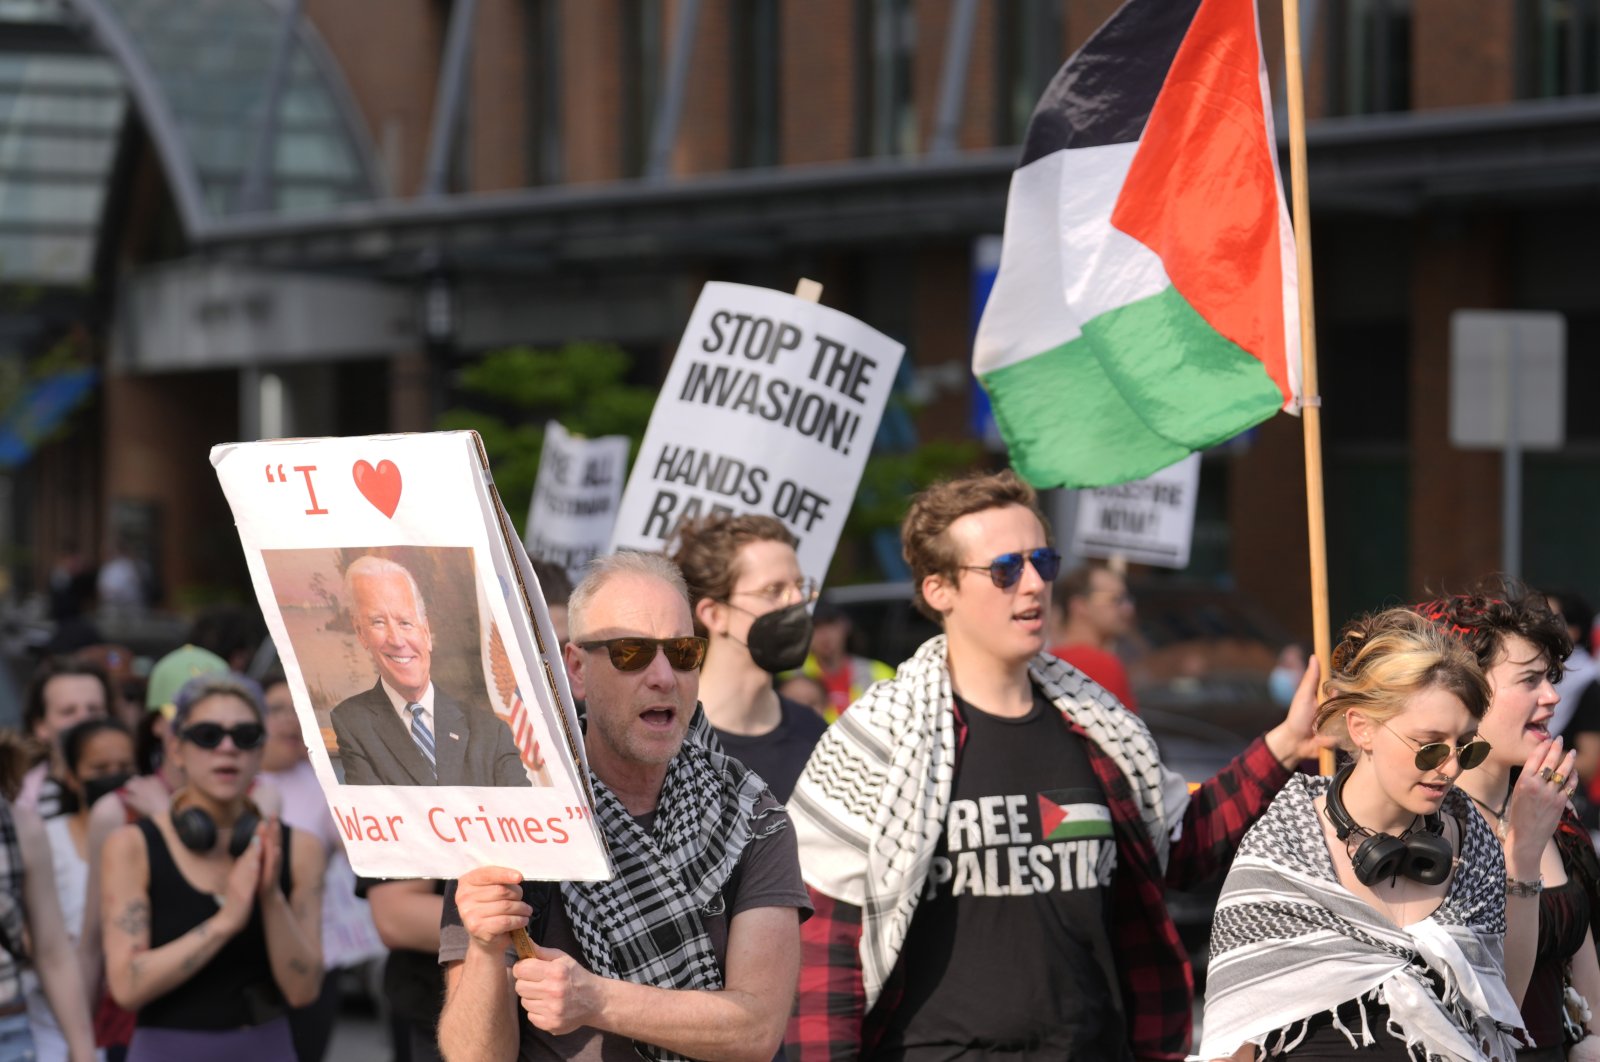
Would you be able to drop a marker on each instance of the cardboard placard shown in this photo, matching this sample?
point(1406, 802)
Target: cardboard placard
point(1147, 521)
point(385, 565)
point(575, 498)
point(770, 406)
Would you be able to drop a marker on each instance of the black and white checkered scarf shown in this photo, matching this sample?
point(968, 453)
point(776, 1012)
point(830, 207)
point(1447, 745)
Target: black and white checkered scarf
point(1289, 942)
point(647, 924)
point(870, 807)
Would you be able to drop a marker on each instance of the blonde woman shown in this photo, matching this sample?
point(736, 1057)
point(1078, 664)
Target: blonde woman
point(1364, 915)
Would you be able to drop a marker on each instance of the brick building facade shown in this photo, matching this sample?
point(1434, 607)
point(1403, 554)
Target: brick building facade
point(1446, 173)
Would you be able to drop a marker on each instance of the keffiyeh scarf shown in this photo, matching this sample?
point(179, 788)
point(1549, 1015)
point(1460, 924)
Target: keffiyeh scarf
point(646, 924)
point(869, 808)
point(1289, 942)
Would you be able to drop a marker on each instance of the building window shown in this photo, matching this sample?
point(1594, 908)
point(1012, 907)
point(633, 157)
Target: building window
point(756, 62)
point(886, 41)
point(1559, 47)
point(543, 24)
point(1369, 56)
point(641, 80)
point(1028, 41)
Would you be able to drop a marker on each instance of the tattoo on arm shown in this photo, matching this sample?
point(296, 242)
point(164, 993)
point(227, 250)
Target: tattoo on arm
point(299, 966)
point(135, 918)
point(191, 962)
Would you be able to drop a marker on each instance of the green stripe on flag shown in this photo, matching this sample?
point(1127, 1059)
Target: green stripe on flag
point(1074, 829)
point(1078, 415)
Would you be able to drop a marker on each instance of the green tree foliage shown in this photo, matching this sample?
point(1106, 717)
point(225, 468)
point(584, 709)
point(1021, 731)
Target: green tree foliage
point(511, 393)
point(515, 391)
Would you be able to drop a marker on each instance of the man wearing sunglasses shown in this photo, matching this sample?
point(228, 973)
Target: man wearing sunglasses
point(987, 837)
point(692, 949)
point(405, 730)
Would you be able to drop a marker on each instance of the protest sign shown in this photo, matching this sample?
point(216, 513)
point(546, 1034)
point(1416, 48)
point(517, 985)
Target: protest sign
point(575, 497)
point(1146, 521)
point(425, 671)
point(770, 406)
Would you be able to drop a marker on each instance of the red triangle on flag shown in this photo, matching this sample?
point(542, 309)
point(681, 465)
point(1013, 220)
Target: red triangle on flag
point(1202, 191)
point(1051, 815)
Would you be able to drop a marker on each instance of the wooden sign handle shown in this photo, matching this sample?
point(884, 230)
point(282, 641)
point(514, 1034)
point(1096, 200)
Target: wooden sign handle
point(808, 289)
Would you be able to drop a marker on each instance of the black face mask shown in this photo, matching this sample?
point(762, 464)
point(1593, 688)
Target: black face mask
point(95, 788)
point(780, 640)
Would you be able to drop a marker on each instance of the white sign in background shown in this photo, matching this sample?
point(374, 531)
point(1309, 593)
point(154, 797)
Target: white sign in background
point(770, 406)
point(304, 506)
point(1508, 373)
point(1145, 521)
point(575, 497)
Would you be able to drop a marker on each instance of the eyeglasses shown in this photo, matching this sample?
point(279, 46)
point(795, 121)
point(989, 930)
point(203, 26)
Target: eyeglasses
point(246, 736)
point(634, 654)
point(1006, 569)
point(804, 587)
point(1436, 754)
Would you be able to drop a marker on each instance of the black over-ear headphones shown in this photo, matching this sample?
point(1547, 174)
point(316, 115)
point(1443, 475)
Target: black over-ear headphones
point(1422, 855)
point(198, 830)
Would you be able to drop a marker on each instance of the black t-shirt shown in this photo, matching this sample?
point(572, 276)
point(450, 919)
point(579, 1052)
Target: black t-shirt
point(780, 754)
point(1009, 953)
point(413, 983)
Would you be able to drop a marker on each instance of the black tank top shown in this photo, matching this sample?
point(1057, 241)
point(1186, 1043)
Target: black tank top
point(233, 990)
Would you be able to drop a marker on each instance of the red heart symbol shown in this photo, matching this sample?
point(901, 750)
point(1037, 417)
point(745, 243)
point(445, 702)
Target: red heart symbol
point(381, 485)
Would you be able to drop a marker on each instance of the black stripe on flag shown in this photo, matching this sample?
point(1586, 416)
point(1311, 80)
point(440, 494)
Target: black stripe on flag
point(1105, 92)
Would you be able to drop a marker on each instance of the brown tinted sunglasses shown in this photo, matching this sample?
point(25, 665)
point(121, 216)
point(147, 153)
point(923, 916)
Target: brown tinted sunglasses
point(634, 654)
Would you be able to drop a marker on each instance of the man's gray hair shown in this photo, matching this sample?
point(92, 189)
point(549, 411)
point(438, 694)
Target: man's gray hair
point(371, 566)
point(599, 571)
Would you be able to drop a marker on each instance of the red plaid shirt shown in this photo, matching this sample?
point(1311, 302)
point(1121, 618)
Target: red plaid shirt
point(1157, 983)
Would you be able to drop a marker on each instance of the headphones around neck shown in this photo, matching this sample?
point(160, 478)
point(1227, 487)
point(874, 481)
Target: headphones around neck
point(1424, 855)
point(198, 830)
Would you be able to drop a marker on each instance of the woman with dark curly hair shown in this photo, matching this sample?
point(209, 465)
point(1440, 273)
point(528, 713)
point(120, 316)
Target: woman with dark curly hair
point(1521, 646)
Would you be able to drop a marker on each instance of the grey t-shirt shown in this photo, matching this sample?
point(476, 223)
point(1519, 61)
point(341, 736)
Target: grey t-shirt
point(767, 875)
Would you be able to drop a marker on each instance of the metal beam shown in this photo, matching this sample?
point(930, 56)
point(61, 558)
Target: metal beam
point(664, 131)
point(1381, 164)
point(151, 101)
point(255, 187)
point(953, 77)
point(448, 100)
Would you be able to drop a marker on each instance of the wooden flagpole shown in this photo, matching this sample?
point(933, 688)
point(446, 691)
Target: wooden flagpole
point(1311, 411)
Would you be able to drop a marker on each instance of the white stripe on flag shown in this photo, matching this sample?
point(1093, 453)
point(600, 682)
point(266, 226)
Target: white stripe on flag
point(1061, 262)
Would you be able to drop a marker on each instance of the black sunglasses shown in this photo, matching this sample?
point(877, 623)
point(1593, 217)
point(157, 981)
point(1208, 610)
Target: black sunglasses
point(246, 736)
point(1006, 569)
point(634, 654)
point(1437, 754)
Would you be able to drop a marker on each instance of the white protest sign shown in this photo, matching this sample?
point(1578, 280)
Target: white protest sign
point(390, 578)
point(575, 497)
point(1146, 521)
point(770, 406)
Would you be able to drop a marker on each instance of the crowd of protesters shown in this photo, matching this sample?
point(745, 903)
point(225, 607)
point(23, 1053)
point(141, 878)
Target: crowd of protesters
point(819, 856)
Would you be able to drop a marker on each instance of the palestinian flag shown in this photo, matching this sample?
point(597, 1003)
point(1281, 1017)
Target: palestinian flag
point(1064, 814)
point(1145, 303)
